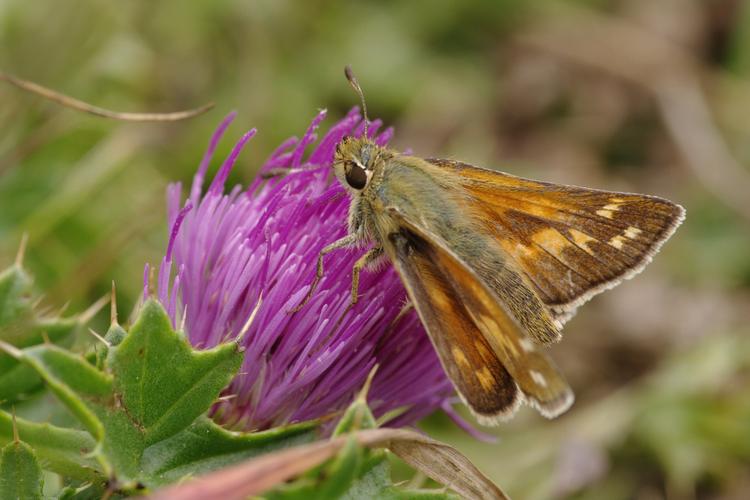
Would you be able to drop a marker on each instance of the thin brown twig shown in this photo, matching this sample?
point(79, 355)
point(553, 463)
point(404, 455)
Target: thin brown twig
point(85, 107)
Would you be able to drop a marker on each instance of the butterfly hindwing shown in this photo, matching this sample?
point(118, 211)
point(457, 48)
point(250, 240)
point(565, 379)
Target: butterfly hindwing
point(484, 351)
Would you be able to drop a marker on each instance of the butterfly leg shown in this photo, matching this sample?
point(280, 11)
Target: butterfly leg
point(368, 258)
point(346, 241)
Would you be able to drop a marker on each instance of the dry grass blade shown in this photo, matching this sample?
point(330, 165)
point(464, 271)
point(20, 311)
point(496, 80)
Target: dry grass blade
point(444, 464)
point(71, 102)
point(435, 459)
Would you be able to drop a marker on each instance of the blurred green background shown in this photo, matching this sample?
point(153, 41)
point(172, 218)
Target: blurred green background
point(632, 95)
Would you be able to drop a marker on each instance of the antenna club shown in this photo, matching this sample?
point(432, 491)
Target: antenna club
point(349, 74)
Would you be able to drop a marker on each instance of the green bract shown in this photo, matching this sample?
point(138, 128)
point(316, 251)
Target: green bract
point(20, 474)
point(143, 409)
point(21, 325)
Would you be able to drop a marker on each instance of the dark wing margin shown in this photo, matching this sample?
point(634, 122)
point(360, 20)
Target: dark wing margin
point(492, 363)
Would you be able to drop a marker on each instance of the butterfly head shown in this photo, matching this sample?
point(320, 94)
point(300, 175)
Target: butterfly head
point(356, 157)
point(355, 162)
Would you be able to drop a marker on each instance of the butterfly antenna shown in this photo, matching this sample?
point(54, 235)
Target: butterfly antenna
point(355, 85)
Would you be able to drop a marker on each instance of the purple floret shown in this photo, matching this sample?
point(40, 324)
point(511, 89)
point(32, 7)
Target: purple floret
point(228, 251)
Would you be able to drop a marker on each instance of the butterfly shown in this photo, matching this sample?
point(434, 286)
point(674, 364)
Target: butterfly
point(493, 264)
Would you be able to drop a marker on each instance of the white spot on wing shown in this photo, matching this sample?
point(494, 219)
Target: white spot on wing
point(538, 378)
point(581, 240)
point(632, 232)
point(527, 345)
point(617, 242)
point(607, 211)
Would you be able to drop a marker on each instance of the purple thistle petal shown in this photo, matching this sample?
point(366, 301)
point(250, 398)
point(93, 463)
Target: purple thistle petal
point(307, 139)
point(231, 248)
point(176, 229)
point(200, 174)
point(385, 137)
point(221, 177)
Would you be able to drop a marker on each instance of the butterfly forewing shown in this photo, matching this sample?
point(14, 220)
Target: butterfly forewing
point(484, 351)
point(569, 242)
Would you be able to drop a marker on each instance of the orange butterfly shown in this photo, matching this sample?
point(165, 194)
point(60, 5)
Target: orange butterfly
point(494, 264)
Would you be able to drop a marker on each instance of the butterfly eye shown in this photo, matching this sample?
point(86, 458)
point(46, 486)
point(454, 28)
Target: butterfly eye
point(356, 176)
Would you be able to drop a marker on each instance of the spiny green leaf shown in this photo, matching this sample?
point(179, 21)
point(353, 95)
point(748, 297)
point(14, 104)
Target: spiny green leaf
point(342, 471)
point(331, 480)
point(165, 384)
point(60, 450)
point(151, 387)
point(358, 415)
point(73, 380)
point(89, 395)
point(15, 294)
point(87, 491)
point(16, 379)
point(62, 367)
point(45, 407)
point(22, 326)
point(20, 473)
point(115, 335)
point(375, 482)
point(112, 338)
point(205, 447)
point(348, 474)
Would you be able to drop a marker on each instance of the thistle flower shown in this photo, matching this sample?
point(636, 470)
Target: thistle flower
point(230, 252)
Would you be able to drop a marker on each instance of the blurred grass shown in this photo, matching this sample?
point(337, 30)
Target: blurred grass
point(457, 79)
